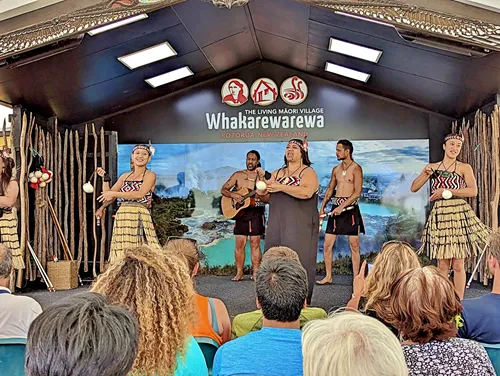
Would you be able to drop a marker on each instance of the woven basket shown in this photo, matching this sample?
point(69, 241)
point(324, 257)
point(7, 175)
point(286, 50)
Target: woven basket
point(63, 274)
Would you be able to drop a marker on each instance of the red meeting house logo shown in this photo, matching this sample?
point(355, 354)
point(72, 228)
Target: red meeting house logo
point(264, 92)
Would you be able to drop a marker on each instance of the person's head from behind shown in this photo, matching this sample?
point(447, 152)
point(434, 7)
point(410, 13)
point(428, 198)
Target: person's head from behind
point(494, 260)
point(281, 252)
point(82, 336)
point(351, 344)
point(281, 288)
point(424, 306)
point(394, 258)
point(344, 150)
point(188, 251)
point(5, 265)
point(158, 289)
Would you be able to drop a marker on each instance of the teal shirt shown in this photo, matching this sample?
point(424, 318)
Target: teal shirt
point(194, 362)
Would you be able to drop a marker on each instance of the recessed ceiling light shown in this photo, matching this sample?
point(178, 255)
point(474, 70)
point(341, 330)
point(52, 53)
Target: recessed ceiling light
point(168, 77)
point(148, 55)
point(354, 50)
point(363, 18)
point(346, 72)
point(114, 25)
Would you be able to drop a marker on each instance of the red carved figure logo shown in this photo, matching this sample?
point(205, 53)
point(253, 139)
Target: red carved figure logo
point(234, 92)
point(264, 92)
point(293, 91)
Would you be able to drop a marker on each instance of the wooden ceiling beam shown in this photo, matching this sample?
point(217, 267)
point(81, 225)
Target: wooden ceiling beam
point(457, 9)
point(45, 14)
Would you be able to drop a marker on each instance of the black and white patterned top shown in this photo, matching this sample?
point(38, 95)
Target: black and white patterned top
point(455, 357)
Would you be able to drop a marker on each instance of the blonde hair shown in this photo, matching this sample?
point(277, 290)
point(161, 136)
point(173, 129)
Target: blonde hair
point(394, 258)
point(157, 288)
point(186, 249)
point(424, 305)
point(351, 344)
point(281, 252)
point(495, 244)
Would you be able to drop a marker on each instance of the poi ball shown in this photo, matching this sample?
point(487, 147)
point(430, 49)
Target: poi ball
point(261, 186)
point(43, 184)
point(45, 176)
point(38, 174)
point(31, 175)
point(447, 194)
point(88, 188)
point(33, 180)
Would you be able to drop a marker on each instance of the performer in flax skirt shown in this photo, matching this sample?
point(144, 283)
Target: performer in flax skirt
point(9, 190)
point(133, 225)
point(293, 208)
point(453, 232)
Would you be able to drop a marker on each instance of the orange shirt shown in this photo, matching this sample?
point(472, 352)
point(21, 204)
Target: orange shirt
point(203, 328)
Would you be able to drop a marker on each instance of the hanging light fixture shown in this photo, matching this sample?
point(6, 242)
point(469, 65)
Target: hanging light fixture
point(227, 3)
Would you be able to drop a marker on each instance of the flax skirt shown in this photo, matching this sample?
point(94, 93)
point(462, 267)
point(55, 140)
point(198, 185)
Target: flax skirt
point(10, 238)
point(133, 227)
point(453, 231)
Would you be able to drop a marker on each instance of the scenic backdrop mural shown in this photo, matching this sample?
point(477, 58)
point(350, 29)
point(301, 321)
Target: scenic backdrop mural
point(189, 178)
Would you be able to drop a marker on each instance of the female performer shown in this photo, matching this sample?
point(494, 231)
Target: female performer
point(9, 190)
point(293, 208)
point(453, 231)
point(133, 224)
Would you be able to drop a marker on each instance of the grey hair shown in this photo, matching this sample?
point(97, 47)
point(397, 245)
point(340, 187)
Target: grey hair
point(281, 287)
point(351, 344)
point(82, 336)
point(5, 262)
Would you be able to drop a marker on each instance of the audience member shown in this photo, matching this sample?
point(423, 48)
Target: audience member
point(82, 336)
point(157, 288)
point(480, 316)
point(252, 321)
point(424, 308)
point(371, 293)
point(16, 312)
point(281, 287)
point(351, 344)
point(220, 328)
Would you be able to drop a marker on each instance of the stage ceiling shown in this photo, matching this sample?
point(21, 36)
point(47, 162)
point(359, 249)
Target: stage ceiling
point(89, 82)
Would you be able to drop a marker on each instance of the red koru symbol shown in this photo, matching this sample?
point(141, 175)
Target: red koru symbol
point(295, 92)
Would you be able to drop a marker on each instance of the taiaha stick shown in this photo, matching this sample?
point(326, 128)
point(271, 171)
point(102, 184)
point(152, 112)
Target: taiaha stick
point(80, 204)
point(22, 188)
point(477, 266)
point(30, 268)
point(60, 185)
point(102, 259)
point(94, 224)
point(71, 194)
point(44, 275)
point(84, 202)
point(65, 183)
point(4, 132)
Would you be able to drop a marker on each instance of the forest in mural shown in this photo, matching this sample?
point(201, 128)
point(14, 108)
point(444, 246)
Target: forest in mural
point(189, 178)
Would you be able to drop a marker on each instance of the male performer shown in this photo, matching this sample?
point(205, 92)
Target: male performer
point(251, 223)
point(347, 178)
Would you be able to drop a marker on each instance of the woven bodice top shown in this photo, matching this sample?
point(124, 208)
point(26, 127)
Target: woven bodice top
point(447, 180)
point(134, 186)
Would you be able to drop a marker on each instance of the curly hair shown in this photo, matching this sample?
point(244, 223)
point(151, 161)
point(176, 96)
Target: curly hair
point(394, 258)
point(185, 249)
point(424, 306)
point(157, 288)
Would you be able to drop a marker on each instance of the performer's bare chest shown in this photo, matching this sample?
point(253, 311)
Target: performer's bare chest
point(345, 182)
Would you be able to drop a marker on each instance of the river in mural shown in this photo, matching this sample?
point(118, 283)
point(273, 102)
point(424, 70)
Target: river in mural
point(189, 178)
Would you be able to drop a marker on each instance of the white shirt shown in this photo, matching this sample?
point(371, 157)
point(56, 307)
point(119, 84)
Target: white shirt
point(16, 314)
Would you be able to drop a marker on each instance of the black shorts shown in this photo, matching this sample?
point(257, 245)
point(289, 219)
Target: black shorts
point(348, 222)
point(251, 223)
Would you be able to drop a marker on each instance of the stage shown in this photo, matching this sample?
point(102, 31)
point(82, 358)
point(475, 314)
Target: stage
point(240, 296)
